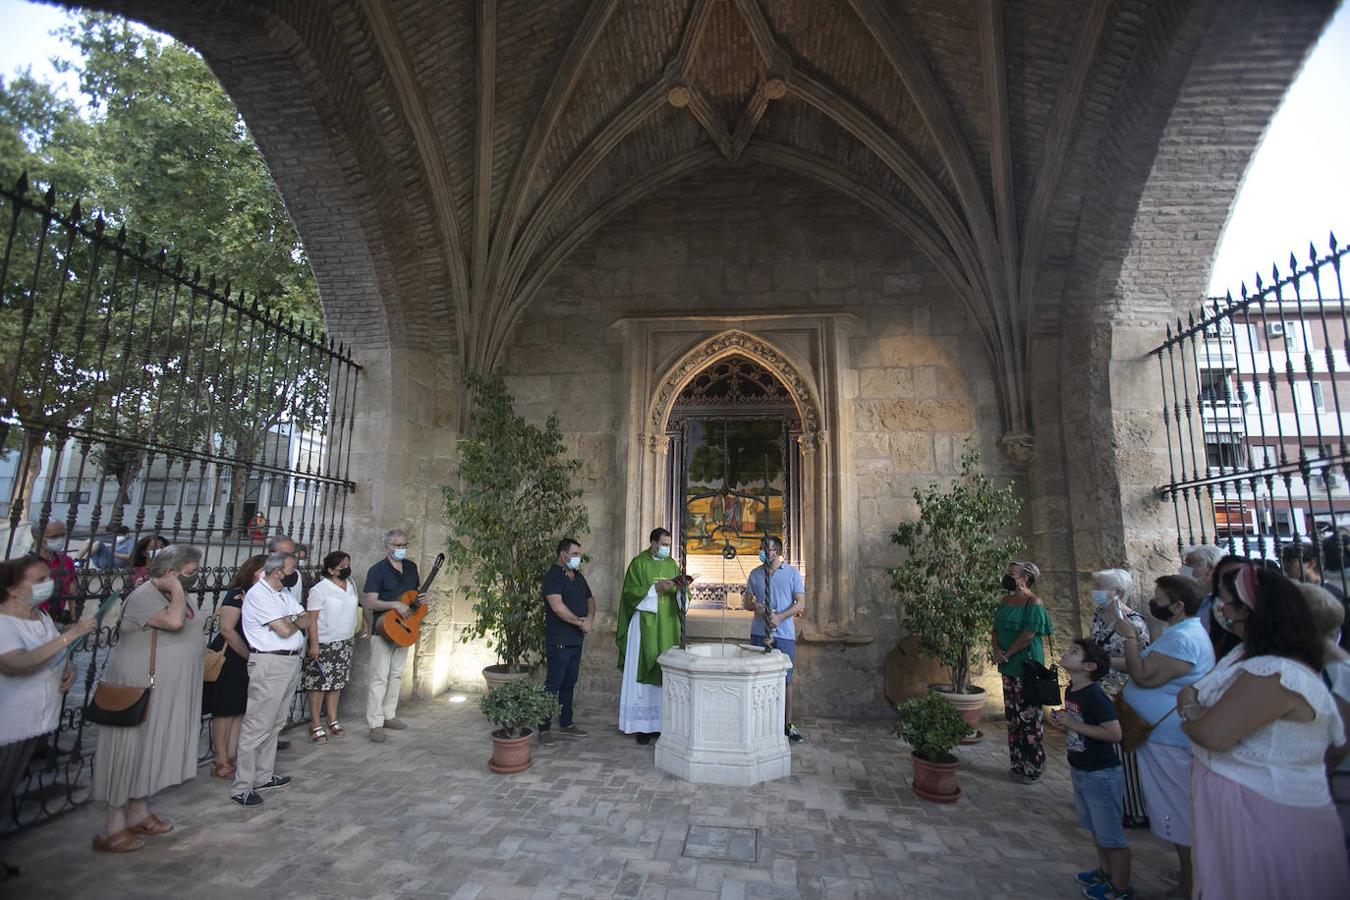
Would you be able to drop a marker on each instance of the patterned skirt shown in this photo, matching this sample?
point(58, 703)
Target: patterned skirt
point(329, 672)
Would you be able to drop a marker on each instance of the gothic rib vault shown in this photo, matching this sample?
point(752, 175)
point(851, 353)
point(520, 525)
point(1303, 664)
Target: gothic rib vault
point(479, 143)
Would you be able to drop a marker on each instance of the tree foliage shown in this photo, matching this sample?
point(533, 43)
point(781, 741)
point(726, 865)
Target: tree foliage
point(158, 149)
point(949, 581)
point(515, 500)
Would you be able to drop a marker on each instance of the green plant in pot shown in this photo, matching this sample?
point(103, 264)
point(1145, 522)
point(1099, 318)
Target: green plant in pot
point(933, 728)
point(516, 708)
point(516, 496)
point(948, 582)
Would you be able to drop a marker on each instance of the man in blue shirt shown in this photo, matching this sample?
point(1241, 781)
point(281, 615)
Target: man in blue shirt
point(781, 586)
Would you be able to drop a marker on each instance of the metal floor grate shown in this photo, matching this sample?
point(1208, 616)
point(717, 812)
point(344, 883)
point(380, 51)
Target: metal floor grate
point(722, 843)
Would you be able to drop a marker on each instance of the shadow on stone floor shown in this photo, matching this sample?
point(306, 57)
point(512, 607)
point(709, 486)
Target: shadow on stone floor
point(421, 816)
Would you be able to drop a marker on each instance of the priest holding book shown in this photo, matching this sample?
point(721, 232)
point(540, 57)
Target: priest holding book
point(649, 624)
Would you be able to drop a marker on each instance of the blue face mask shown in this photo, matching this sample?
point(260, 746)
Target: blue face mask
point(763, 557)
point(1101, 598)
point(400, 553)
point(574, 562)
point(662, 552)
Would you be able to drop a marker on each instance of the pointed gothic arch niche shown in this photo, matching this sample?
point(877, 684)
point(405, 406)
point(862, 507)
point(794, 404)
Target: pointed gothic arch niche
point(680, 368)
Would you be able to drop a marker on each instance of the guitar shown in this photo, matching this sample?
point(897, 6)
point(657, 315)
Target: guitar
point(396, 629)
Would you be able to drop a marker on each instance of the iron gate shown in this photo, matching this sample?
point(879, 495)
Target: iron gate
point(135, 394)
point(1253, 405)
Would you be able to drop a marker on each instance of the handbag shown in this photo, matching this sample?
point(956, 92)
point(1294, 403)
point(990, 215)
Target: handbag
point(1134, 728)
point(212, 662)
point(1040, 684)
point(121, 705)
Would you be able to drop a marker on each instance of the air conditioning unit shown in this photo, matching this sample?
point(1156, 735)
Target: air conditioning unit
point(1275, 329)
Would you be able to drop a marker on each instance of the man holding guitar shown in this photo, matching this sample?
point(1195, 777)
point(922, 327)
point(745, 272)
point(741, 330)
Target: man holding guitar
point(386, 583)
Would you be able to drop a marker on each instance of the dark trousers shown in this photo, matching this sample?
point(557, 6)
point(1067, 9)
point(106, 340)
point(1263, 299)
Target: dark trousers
point(564, 665)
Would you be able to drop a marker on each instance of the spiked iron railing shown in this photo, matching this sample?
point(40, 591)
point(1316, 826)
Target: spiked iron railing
point(1252, 394)
point(134, 393)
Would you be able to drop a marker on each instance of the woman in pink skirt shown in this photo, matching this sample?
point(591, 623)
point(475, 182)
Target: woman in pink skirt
point(1262, 819)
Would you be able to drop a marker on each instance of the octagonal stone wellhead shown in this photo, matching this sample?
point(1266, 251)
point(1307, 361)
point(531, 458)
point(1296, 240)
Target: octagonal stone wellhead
point(722, 714)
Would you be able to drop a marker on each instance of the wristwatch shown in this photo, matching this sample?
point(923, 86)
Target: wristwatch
point(294, 619)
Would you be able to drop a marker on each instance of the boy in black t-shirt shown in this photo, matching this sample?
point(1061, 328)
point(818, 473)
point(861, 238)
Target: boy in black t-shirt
point(1098, 781)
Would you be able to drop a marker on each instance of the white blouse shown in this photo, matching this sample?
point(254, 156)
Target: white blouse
point(1282, 761)
point(29, 704)
point(340, 609)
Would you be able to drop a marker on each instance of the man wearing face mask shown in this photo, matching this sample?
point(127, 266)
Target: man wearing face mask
point(386, 582)
point(569, 610)
point(274, 627)
point(649, 624)
point(777, 583)
point(1197, 563)
point(291, 586)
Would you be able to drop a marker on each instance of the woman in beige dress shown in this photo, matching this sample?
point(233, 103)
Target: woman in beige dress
point(131, 764)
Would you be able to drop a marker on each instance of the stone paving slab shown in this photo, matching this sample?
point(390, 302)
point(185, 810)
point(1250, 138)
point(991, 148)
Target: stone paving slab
point(421, 816)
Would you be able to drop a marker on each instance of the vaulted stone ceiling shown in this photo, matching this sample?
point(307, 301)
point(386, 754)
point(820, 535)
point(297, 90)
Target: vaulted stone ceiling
point(478, 143)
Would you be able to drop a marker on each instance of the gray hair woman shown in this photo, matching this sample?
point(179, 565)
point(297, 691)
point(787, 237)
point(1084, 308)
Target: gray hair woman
point(1110, 591)
point(131, 764)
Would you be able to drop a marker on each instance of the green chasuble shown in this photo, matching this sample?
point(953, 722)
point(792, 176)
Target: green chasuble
point(661, 629)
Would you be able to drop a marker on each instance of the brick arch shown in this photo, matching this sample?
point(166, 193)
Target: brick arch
point(276, 83)
point(1175, 155)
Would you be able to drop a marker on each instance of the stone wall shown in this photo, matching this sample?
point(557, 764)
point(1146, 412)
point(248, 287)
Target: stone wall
point(737, 242)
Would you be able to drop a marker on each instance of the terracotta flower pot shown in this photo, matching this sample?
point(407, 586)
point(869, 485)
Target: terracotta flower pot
point(510, 755)
point(935, 781)
point(970, 706)
point(498, 675)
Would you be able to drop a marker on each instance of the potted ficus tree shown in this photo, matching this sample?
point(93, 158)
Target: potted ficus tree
point(933, 729)
point(516, 497)
point(516, 708)
point(948, 583)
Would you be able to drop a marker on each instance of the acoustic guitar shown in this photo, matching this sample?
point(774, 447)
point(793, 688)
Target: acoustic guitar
point(396, 629)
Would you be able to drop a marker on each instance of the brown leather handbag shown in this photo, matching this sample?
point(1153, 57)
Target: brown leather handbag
point(1134, 728)
point(120, 705)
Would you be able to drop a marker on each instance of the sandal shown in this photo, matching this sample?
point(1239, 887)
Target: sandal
point(318, 735)
point(336, 730)
point(120, 842)
point(151, 825)
point(222, 770)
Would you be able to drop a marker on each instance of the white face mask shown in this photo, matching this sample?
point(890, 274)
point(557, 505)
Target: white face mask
point(1186, 572)
point(1101, 598)
point(42, 592)
point(662, 552)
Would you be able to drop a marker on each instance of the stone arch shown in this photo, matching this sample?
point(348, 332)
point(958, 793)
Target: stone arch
point(805, 394)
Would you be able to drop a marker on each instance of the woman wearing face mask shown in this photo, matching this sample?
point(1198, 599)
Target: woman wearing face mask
point(1262, 724)
point(1019, 623)
point(227, 697)
point(1180, 656)
point(34, 672)
point(1110, 587)
point(141, 554)
point(132, 764)
point(328, 660)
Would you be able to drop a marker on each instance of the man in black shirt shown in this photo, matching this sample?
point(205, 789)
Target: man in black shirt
point(386, 583)
point(569, 610)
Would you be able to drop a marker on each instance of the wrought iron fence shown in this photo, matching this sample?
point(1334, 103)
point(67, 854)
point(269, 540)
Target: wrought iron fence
point(137, 397)
point(1254, 392)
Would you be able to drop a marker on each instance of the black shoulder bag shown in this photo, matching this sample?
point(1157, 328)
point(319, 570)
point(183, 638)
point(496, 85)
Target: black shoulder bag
point(1040, 684)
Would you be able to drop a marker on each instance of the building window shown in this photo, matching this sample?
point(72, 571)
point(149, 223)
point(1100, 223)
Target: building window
point(1226, 455)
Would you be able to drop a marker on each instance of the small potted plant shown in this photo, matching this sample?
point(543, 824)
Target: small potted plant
point(516, 708)
point(933, 728)
point(948, 582)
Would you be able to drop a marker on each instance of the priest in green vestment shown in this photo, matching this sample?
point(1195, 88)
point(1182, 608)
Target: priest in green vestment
point(649, 624)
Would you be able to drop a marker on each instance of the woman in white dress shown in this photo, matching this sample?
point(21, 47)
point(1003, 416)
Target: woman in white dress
point(34, 668)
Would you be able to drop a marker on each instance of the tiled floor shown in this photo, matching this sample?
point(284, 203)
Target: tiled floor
point(421, 816)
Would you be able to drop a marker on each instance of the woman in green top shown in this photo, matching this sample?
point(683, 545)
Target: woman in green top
point(1018, 625)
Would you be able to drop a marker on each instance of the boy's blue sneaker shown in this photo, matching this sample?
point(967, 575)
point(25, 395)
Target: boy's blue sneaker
point(1104, 891)
point(1091, 878)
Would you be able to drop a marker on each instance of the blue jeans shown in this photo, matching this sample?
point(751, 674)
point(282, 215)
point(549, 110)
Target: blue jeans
point(564, 665)
point(789, 649)
point(1099, 796)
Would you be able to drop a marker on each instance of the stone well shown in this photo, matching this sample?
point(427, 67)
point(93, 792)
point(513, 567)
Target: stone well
point(722, 715)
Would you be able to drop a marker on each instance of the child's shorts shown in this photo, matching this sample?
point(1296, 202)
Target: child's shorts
point(1099, 795)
